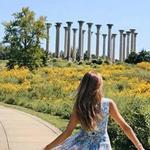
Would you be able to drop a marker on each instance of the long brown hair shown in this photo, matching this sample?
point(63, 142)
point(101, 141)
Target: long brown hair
point(88, 100)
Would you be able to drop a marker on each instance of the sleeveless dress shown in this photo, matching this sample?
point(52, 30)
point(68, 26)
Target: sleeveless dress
point(93, 140)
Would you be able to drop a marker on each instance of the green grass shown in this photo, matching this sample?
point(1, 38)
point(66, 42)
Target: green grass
point(3, 63)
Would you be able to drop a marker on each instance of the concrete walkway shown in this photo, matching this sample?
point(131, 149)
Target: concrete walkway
point(22, 131)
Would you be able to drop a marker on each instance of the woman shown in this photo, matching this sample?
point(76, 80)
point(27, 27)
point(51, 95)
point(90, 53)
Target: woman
point(92, 110)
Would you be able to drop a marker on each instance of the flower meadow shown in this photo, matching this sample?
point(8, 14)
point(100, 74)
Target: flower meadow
point(59, 84)
point(52, 90)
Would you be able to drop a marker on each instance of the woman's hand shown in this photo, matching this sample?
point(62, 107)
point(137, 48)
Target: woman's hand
point(46, 147)
point(140, 147)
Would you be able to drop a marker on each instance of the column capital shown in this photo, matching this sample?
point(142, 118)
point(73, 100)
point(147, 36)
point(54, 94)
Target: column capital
point(109, 26)
point(124, 34)
point(48, 25)
point(89, 24)
point(98, 26)
point(58, 24)
point(65, 28)
point(104, 35)
point(114, 35)
point(69, 23)
point(80, 22)
point(136, 34)
point(121, 31)
point(74, 29)
point(128, 32)
point(132, 30)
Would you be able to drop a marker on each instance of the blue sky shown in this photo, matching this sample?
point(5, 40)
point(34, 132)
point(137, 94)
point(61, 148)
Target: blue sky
point(123, 14)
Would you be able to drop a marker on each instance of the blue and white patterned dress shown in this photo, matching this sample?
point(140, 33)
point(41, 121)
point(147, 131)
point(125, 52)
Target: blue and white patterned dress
point(94, 140)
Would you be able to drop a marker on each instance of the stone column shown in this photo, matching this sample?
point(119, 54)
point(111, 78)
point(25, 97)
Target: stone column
point(74, 43)
point(68, 42)
point(104, 44)
point(83, 31)
point(128, 43)
point(109, 40)
point(80, 39)
point(124, 46)
point(65, 42)
point(57, 46)
point(121, 46)
point(132, 39)
point(97, 39)
point(89, 40)
point(48, 25)
point(113, 46)
point(135, 35)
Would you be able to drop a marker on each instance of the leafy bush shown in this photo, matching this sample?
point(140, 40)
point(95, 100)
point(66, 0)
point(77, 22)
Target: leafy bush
point(143, 56)
point(134, 58)
point(131, 58)
point(88, 62)
point(80, 62)
point(137, 119)
point(66, 111)
point(43, 107)
point(10, 101)
point(97, 61)
point(108, 62)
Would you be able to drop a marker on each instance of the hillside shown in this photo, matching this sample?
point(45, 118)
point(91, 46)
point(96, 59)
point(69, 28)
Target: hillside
point(52, 89)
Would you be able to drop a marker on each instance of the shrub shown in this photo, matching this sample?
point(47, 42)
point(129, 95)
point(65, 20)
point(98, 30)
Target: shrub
point(137, 119)
point(97, 61)
point(10, 101)
point(134, 58)
point(107, 62)
point(131, 58)
point(88, 62)
point(42, 107)
point(80, 62)
point(69, 64)
point(54, 60)
point(64, 111)
point(143, 56)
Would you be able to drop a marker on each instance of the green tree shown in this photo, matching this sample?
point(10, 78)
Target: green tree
point(143, 56)
point(23, 35)
point(135, 58)
point(132, 58)
point(4, 52)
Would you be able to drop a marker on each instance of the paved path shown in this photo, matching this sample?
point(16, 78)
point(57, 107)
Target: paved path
point(22, 131)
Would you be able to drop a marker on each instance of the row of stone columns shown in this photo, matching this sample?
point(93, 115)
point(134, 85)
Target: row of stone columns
point(126, 45)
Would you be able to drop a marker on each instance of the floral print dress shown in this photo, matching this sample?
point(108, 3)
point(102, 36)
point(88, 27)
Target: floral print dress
point(94, 140)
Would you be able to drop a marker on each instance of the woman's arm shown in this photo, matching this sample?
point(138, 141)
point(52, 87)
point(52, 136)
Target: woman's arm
point(61, 138)
point(114, 113)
